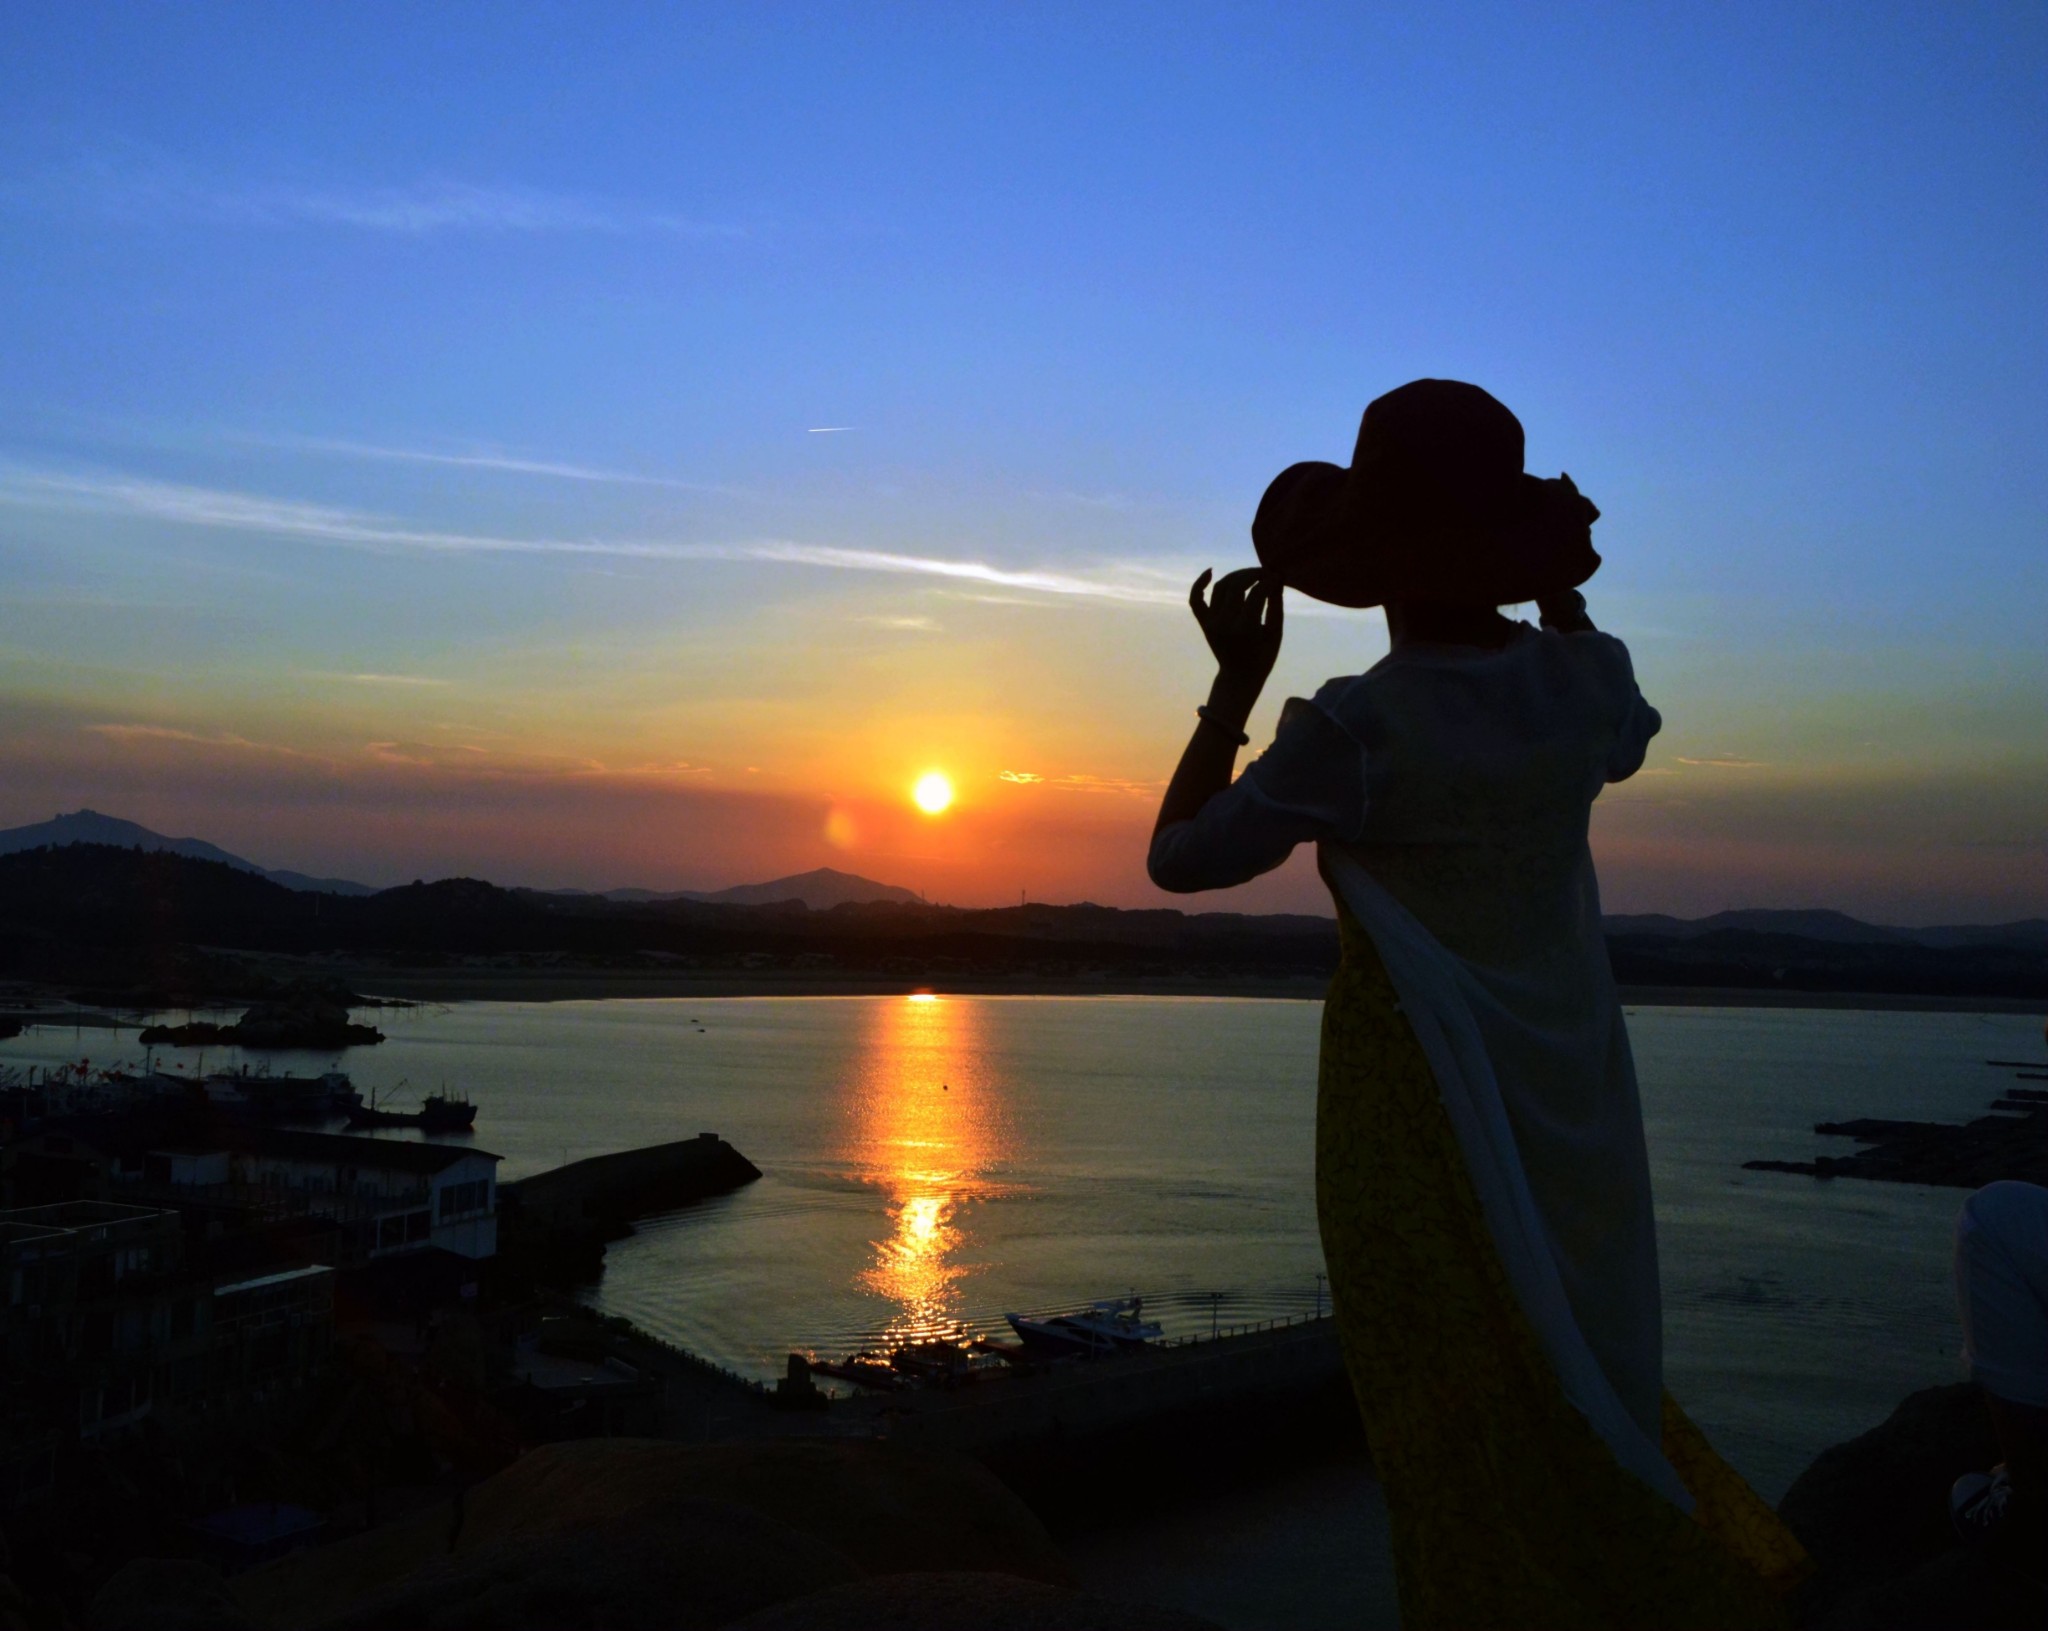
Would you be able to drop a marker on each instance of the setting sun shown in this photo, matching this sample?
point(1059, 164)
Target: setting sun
point(933, 792)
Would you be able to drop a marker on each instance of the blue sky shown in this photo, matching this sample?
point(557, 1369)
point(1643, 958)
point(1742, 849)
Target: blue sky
point(693, 421)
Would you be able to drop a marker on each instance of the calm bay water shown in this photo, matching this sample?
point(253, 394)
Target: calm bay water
point(932, 1162)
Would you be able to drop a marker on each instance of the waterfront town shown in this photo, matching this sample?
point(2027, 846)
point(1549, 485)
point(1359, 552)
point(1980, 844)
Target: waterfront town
point(230, 1341)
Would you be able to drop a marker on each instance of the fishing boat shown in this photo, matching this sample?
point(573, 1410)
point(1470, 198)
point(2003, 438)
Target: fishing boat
point(1116, 1325)
point(286, 1097)
point(438, 1113)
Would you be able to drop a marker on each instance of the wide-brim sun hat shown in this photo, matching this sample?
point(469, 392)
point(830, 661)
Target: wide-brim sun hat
point(1434, 506)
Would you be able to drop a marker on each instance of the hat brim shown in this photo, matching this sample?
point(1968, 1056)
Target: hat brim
point(1315, 532)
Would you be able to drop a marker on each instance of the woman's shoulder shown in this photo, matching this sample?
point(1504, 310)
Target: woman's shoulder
point(1600, 656)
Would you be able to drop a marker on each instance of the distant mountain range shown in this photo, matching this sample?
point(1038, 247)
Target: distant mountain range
point(1834, 928)
point(825, 888)
point(820, 890)
point(90, 827)
point(138, 927)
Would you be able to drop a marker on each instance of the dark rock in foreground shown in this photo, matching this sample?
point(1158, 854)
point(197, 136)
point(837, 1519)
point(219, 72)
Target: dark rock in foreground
point(962, 1602)
point(166, 1594)
point(680, 1564)
point(631, 1533)
point(1874, 1514)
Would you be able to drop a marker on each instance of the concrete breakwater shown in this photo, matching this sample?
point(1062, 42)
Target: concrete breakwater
point(631, 1184)
point(554, 1226)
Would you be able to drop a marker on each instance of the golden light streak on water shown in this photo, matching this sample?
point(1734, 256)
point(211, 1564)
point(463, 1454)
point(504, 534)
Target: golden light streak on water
point(926, 1127)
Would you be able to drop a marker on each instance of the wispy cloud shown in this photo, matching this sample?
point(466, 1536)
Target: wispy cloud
point(1129, 583)
point(918, 624)
point(133, 187)
point(1107, 784)
point(504, 463)
point(383, 679)
point(129, 733)
point(1083, 784)
point(399, 753)
point(1121, 582)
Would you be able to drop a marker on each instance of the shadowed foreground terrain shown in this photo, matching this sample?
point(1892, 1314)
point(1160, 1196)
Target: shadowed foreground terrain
point(797, 1535)
point(811, 1535)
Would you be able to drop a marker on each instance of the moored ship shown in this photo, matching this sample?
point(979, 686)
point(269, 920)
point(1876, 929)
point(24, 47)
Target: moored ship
point(438, 1113)
point(1116, 1325)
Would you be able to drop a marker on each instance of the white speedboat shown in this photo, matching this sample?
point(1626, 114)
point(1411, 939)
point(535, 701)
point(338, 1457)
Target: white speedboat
point(1115, 1326)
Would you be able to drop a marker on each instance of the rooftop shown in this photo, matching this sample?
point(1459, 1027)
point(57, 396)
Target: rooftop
point(80, 1215)
point(389, 1154)
point(284, 1277)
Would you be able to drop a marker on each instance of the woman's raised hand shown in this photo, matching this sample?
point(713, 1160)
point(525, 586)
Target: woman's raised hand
point(1242, 621)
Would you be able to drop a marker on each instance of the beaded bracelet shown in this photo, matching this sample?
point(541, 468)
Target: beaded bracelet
point(1202, 713)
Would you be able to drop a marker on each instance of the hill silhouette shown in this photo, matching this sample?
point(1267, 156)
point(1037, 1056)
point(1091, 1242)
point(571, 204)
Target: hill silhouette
point(1835, 927)
point(144, 922)
point(820, 890)
point(91, 827)
point(150, 923)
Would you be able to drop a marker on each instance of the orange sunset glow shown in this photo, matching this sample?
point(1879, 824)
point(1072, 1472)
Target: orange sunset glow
point(611, 500)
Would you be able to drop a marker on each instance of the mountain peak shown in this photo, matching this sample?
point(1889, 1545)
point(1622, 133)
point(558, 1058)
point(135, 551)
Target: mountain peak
point(820, 889)
point(83, 826)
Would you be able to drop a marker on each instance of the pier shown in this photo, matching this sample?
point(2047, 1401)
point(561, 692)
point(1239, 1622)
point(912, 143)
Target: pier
point(1242, 1371)
point(1216, 1394)
point(1075, 1437)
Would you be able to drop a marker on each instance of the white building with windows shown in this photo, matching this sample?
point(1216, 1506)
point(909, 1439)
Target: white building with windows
point(393, 1195)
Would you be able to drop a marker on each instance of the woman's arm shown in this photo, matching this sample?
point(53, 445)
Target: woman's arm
point(1242, 622)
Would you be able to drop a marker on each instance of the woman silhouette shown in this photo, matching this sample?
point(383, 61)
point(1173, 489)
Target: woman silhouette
point(1481, 1179)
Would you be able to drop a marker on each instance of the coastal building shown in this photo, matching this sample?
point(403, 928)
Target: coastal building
point(269, 1330)
point(384, 1197)
point(103, 1317)
point(391, 1195)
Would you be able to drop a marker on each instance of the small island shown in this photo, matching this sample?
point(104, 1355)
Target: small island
point(311, 1024)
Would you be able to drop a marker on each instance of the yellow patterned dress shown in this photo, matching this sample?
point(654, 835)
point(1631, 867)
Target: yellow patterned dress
point(1507, 1508)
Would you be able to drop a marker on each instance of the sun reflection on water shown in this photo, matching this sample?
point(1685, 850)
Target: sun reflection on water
point(926, 1127)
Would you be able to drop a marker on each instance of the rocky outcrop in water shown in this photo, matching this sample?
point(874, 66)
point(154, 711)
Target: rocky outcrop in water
point(2012, 1142)
point(306, 1023)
